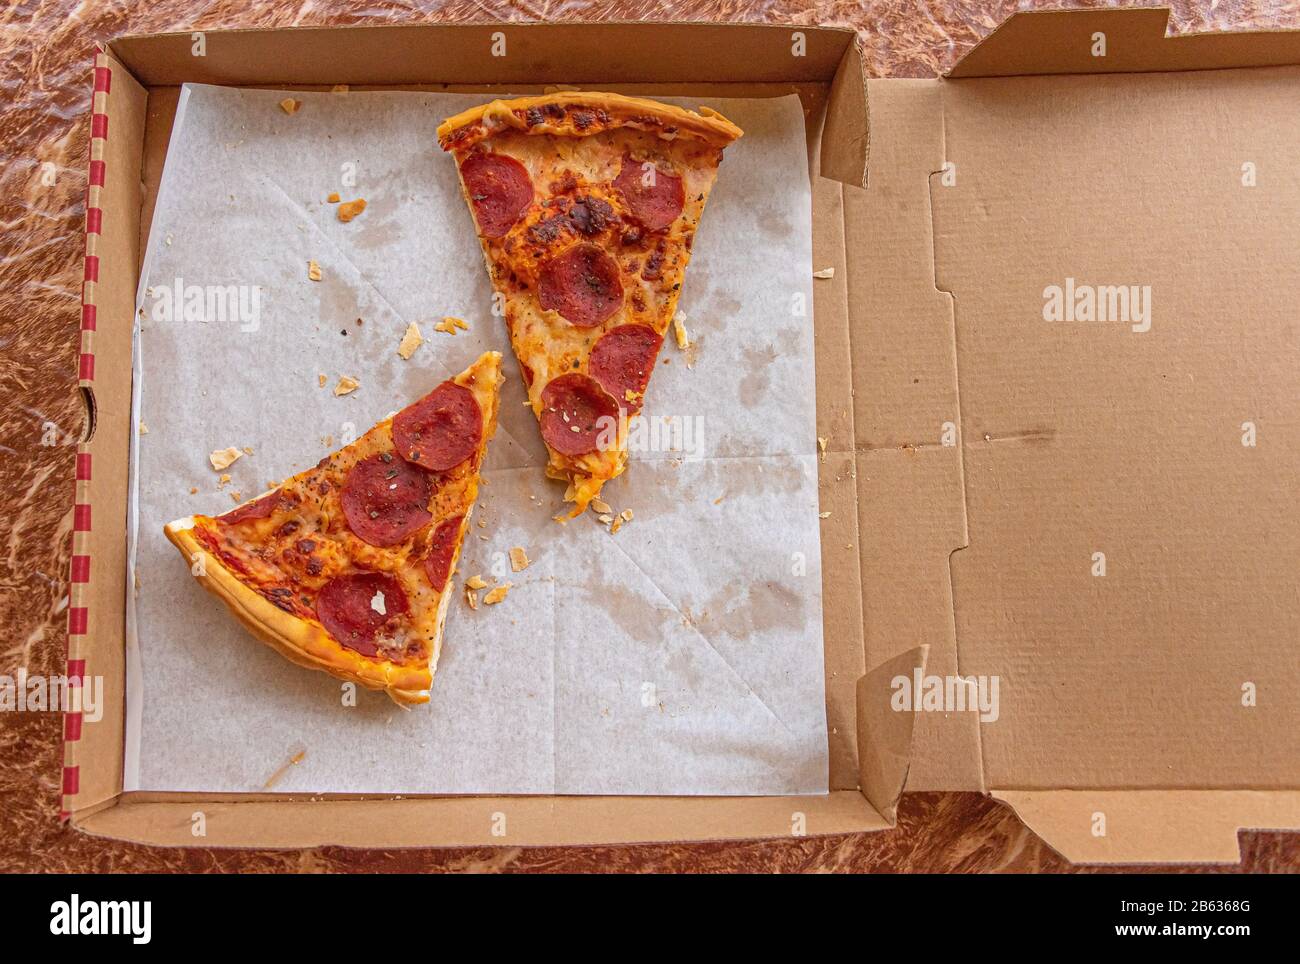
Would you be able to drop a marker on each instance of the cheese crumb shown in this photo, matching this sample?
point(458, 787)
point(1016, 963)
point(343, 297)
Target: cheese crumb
point(377, 603)
point(679, 332)
point(334, 197)
point(225, 479)
point(224, 458)
point(290, 106)
point(475, 582)
point(350, 209)
point(410, 341)
point(347, 384)
point(313, 271)
point(824, 273)
point(498, 594)
point(518, 559)
point(450, 324)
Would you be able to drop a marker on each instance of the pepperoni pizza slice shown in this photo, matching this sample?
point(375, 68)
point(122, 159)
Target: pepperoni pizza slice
point(586, 205)
point(347, 567)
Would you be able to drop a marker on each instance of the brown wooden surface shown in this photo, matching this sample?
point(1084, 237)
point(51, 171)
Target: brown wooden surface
point(44, 120)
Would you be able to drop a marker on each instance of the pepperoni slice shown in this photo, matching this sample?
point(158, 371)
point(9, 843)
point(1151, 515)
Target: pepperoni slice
point(581, 283)
point(500, 190)
point(654, 197)
point(575, 413)
point(349, 608)
point(437, 564)
point(441, 430)
point(623, 360)
point(385, 501)
point(259, 508)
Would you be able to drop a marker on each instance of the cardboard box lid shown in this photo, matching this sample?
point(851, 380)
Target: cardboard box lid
point(1007, 461)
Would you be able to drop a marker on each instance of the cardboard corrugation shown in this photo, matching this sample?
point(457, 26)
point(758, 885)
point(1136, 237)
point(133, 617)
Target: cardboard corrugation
point(909, 380)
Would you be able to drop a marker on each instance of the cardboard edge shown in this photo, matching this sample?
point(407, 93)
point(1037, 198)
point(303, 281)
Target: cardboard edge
point(1135, 40)
point(846, 140)
point(1151, 826)
point(178, 820)
point(885, 732)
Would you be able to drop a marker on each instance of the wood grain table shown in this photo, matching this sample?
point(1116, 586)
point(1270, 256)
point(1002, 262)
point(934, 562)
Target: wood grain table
point(43, 138)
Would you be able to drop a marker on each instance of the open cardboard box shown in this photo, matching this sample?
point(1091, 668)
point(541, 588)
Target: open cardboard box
point(984, 466)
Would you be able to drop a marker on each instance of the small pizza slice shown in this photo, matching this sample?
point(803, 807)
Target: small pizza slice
point(586, 205)
point(347, 567)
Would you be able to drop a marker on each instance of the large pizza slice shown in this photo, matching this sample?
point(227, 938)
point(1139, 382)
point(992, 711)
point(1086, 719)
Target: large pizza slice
point(586, 206)
point(347, 567)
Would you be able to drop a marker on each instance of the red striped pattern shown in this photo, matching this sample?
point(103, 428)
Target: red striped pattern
point(78, 610)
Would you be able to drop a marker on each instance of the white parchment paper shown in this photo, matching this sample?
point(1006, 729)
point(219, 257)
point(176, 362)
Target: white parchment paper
point(682, 655)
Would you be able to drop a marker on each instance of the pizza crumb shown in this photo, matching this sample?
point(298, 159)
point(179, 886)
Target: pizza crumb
point(498, 594)
point(223, 458)
point(821, 446)
point(600, 506)
point(618, 524)
point(194, 489)
point(339, 89)
point(823, 515)
point(626, 515)
point(824, 273)
point(236, 497)
point(350, 209)
point(346, 386)
point(224, 479)
point(518, 559)
point(313, 271)
point(605, 518)
point(718, 500)
point(290, 106)
point(321, 379)
point(679, 333)
point(475, 582)
point(410, 341)
point(144, 429)
point(333, 198)
point(449, 325)
point(471, 597)
point(298, 754)
point(248, 450)
point(482, 523)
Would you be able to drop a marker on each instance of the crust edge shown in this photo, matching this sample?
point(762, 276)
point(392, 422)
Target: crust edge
point(707, 125)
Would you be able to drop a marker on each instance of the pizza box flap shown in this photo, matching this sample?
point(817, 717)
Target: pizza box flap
point(1116, 41)
point(1088, 512)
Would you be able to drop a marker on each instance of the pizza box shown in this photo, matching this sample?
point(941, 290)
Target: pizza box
point(1058, 380)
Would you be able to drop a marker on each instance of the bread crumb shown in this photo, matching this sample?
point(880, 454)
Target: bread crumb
point(321, 379)
point(498, 594)
point(679, 333)
point(410, 341)
point(350, 209)
point(824, 273)
point(313, 271)
point(518, 559)
point(290, 106)
point(475, 582)
point(144, 429)
point(450, 324)
point(600, 505)
point(346, 386)
point(224, 458)
point(334, 197)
